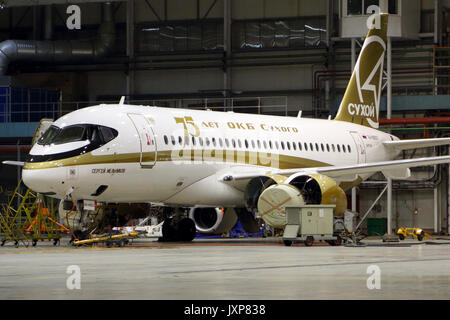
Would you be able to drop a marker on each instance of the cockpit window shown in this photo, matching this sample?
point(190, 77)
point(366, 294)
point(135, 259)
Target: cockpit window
point(98, 135)
point(48, 135)
point(70, 134)
point(107, 133)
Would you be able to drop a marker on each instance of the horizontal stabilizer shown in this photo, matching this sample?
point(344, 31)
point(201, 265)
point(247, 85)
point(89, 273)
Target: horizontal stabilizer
point(416, 143)
point(14, 163)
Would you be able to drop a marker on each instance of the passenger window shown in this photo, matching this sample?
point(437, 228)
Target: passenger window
point(349, 149)
point(227, 143)
point(246, 144)
point(265, 144)
point(343, 148)
point(300, 146)
point(311, 146)
point(233, 143)
point(282, 145)
point(288, 145)
point(253, 144)
point(338, 148)
point(334, 149)
point(173, 140)
point(220, 142)
point(270, 144)
point(200, 141)
point(306, 146)
point(214, 141)
point(294, 146)
point(317, 147)
point(207, 141)
point(239, 143)
point(180, 140)
point(328, 147)
point(193, 141)
point(321, 147)
point(276, 145)
point(166, 140)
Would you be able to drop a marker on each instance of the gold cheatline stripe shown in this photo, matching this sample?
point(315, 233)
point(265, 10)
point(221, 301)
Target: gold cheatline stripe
point(226, 156)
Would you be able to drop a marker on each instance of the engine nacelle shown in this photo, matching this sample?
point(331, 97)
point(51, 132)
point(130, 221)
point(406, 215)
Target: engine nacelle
point(213, 220)
point(299, 190)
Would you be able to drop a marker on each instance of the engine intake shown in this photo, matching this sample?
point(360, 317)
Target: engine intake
point(298, 190)
point(213, 220)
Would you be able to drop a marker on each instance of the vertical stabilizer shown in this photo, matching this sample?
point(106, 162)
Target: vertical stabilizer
point(361, 102)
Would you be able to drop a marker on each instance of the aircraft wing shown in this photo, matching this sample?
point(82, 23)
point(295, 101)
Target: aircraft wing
point(395, 169)
point(415, 143)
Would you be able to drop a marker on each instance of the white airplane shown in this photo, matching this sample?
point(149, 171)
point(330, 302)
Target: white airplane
point(210, 160)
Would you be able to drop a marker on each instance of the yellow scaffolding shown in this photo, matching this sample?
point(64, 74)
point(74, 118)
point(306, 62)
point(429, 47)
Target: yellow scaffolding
point(29, 217)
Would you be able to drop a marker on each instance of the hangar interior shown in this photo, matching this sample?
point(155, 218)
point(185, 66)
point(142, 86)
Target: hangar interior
point(256, 56)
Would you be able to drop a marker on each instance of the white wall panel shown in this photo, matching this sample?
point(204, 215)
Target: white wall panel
point(178, 81)
point(181, 9)
point(248, 9)
point(272, 78)
point(144, 13)
point(104, 83)
point(216, 11)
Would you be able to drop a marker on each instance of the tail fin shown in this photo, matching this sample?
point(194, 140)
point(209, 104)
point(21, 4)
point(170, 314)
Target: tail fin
point(361, 102)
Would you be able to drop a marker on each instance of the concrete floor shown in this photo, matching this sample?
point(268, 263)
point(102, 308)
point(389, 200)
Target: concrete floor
point(226, 269)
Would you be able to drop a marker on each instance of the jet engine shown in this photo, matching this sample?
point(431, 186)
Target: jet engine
point(273, 194)
point(213, 220)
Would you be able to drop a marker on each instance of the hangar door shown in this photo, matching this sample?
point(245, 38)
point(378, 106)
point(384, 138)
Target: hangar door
point(146, 139)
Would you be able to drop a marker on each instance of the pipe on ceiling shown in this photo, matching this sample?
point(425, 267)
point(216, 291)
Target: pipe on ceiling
point(430, 120)
point(61, 51)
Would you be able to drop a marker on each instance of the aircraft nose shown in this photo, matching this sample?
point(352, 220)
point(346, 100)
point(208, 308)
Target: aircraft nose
point(38, 181)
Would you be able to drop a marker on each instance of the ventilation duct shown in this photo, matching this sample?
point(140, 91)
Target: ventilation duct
point(61, 51)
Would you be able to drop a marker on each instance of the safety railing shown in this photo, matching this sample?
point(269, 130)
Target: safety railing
point(33, 112)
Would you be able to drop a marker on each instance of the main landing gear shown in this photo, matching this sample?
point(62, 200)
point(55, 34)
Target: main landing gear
point(178, 229)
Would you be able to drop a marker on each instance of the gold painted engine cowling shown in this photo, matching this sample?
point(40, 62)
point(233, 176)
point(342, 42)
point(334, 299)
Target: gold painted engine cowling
point(320, 189)
point(296, 191)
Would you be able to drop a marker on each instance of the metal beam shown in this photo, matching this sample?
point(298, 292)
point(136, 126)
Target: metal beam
point(130, 46)
point(24, 3)
point(210, 8)
point(153, 10)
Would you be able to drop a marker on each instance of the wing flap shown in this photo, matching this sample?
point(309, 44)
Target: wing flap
point(395, 168)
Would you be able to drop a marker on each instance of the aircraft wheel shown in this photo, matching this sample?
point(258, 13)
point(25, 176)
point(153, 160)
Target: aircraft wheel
point(287, 243)
point(186, 229)
point(420, 236)
point(401, 237)
point(122, 243)
point(109, 243)
point(309, 241)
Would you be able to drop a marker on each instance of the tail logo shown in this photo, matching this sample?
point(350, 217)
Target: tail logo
point(363, 109)
point(362, 98)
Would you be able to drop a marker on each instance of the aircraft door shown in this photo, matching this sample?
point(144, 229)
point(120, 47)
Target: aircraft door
point(360, 146)
point(146, 139)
